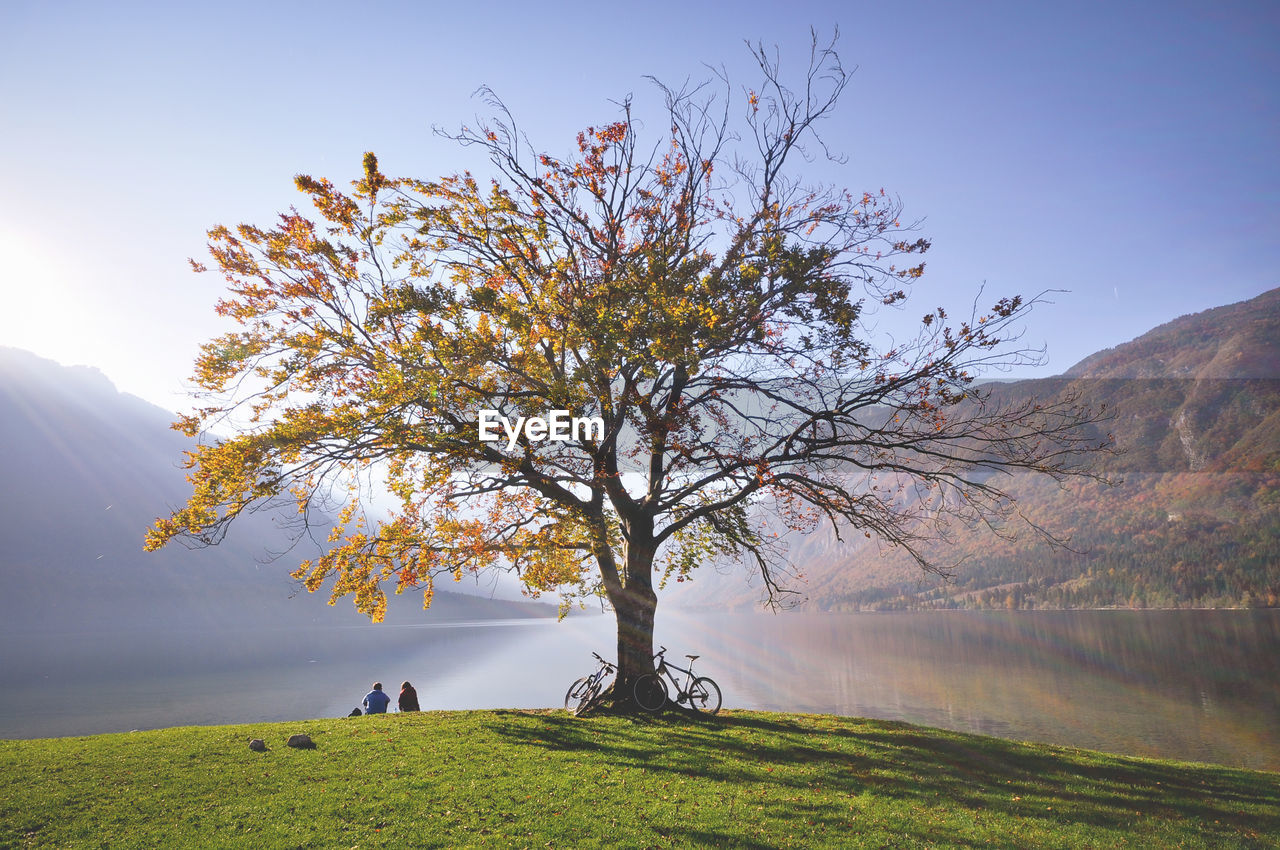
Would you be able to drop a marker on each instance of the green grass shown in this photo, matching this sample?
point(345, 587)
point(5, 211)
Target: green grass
point(539, 779)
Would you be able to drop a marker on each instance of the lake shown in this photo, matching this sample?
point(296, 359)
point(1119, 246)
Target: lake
point(1199, 685)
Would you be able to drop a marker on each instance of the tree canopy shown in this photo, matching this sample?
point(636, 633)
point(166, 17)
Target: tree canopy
point(690, 290)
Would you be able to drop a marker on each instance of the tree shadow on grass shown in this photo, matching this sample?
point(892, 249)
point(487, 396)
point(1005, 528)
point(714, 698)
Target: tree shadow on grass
point(898, 761)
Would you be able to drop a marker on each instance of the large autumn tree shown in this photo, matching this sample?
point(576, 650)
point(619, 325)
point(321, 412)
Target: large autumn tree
point(691, 289)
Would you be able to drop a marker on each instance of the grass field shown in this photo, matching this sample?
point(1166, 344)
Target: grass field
point(546, 779)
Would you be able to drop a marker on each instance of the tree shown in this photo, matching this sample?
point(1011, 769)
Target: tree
point(696, 297)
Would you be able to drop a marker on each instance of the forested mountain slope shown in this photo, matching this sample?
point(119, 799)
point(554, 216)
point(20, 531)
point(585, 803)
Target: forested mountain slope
point(1193, 521)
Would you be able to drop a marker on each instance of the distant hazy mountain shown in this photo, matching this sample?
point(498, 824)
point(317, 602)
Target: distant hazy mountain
point(1195, 521)
point(84, 470)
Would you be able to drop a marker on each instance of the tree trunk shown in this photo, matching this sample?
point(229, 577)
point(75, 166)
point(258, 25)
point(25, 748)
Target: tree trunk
point(634, 609)
point(635, 634)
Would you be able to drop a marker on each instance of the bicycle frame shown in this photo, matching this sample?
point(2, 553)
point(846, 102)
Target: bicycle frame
point(585, 693)
point(597, 677)
point(665, 667)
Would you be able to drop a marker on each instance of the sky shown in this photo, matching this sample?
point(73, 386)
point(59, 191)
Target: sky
point(1121, 154)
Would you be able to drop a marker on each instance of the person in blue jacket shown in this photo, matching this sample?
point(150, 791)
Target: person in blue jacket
point(376, 702)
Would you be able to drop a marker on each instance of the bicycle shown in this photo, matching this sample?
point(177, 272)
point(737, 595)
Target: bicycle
point(584, 694)
point(702, 693)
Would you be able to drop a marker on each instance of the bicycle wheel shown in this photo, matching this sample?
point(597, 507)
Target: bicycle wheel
point(575, 694)
point(704, 696)
point(650, 692)
point(589, 700)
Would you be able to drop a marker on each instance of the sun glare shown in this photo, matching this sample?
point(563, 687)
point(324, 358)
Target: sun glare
point(40, 309)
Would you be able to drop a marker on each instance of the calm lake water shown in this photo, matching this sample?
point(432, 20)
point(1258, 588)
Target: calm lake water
point(1201, 685)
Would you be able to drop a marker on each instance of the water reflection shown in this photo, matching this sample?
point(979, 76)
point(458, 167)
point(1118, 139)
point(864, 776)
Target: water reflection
point(1192, 684)
point(1201, 685)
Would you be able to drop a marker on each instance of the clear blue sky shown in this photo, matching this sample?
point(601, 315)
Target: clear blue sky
point(1126, 152)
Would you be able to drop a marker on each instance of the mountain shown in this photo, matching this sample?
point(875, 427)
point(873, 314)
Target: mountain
point(85, 470)
point(1238, 341)
point(1194, 519)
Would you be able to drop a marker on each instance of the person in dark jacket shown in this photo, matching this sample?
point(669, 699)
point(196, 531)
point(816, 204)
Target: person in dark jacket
point(408, 698)
point(376, 702)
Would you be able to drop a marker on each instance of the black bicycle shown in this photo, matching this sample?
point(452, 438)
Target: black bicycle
point(585, 693)
point(702, 694)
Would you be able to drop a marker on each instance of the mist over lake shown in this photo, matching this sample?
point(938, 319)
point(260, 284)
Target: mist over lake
point(1200, 685)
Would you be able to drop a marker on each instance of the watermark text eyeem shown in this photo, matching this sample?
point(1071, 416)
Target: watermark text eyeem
point(558, 426)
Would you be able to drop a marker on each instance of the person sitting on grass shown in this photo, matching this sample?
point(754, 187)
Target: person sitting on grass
point(408, 698)
point(376, 702)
